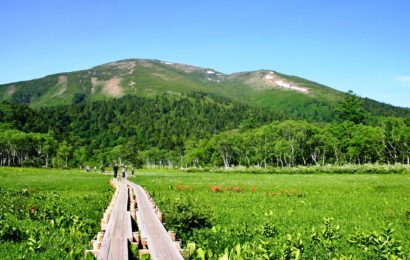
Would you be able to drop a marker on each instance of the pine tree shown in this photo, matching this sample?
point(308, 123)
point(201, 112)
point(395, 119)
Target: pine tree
point(351, 109)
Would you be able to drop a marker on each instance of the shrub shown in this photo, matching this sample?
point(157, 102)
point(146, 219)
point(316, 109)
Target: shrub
point(10, 230)
point(184, 215)
point(380, 245)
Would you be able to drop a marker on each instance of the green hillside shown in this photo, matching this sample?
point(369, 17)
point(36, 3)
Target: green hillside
point(290, 95)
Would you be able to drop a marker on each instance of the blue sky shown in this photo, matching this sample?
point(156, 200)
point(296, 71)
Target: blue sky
point(362, 45)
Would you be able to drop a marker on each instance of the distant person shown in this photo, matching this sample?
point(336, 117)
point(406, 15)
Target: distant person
point(132, 170)
point(102, 170)
point(87, 168)
point(124, 170)
point(95, 168)
point(115, 168)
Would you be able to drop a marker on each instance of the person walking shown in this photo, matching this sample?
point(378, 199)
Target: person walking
point(115, 168)
point(124, 170)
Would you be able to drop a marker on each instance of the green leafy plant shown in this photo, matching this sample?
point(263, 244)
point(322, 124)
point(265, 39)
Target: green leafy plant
point(327, 236)
point(185, 215)
point(378, 244)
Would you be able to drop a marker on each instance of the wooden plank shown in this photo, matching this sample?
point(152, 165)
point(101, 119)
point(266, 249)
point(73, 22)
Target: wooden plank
point(118, 230)
point(160, 244)
point(119, 243)
point(142, 230)
point(106, 242)
point(128, 227)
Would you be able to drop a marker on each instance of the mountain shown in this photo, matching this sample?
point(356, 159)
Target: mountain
point(291, 95)
point(150, 112)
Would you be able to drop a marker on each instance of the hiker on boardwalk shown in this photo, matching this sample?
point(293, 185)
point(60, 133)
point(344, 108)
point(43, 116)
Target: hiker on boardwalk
point(115, 168)
point(124, 170)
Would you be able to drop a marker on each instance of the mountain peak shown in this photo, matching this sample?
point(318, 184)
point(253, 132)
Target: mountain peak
point(149, 78)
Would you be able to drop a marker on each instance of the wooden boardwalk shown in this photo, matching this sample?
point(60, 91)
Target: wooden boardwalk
point(118, 232)
point(159, 242)
point(129, 202)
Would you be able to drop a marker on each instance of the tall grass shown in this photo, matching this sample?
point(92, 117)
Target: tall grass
point(48, 213)
point(294, 203)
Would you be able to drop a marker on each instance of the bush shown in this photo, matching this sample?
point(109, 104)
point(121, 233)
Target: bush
point(184, 215)
point(378, 245)
point(10, 230)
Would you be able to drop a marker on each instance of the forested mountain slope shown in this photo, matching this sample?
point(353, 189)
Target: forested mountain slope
point(149, 112)
point(119, 128)
point(289, 95)
point(195, 130)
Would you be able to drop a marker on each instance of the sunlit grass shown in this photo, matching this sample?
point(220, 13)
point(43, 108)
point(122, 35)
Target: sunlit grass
point(294, 203)
point(33, 200)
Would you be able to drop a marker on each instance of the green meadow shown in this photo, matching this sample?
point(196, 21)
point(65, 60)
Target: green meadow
point(333, 215)
point(50, 214)
point(53, 214)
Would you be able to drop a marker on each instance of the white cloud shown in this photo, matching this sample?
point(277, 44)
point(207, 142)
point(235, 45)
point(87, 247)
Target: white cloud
point(403, 79)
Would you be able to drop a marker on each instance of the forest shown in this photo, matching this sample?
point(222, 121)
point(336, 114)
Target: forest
point(197, 130)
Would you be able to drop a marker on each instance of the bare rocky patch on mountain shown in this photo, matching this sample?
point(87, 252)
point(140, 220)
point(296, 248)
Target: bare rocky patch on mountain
point(94, 82)
point(11, 90)
point(271, 78)
point(62, 85)
point(113, 87)
point(62, 79)
point(261, 80)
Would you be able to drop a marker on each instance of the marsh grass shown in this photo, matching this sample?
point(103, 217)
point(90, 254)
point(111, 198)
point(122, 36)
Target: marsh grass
point(49, 214)
point(293, 203)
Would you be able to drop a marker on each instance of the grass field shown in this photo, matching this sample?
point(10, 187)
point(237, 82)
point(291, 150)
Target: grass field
point(50, 214)
point(268, 208)
point(53, 214)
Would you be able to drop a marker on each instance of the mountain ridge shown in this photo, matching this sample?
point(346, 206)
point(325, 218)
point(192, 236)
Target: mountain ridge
point(150, 77)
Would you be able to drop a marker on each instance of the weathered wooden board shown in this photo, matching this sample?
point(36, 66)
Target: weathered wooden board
point(160, 244)
point(118, 232)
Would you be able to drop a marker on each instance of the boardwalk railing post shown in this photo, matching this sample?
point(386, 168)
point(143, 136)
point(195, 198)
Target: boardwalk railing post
point(136, 236)
point(100, 236)
point(173, 235)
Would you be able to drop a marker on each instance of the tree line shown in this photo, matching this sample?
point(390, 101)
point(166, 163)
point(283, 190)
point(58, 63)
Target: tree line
point(195, 130)
point(294, 143)
point(104, 132)
point(355, 136)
